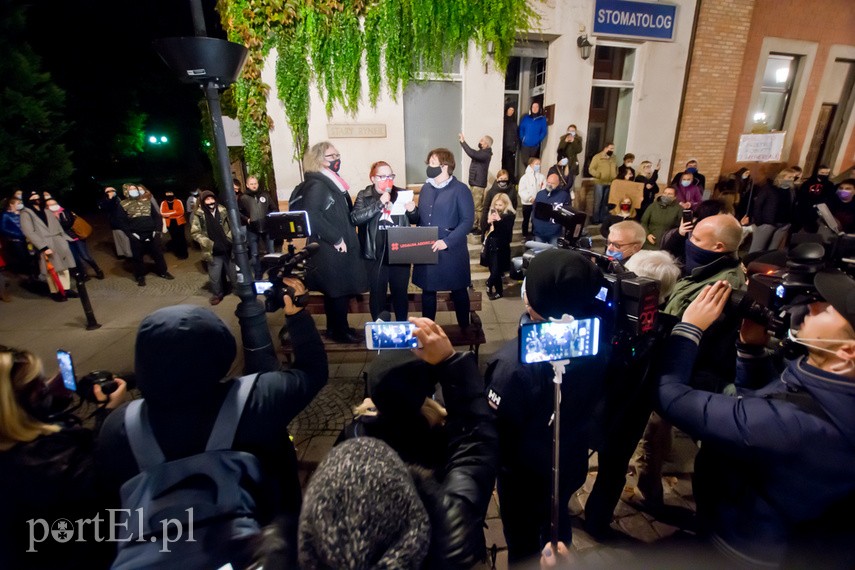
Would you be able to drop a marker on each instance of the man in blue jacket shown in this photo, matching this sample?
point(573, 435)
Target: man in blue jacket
point(546, 231)
point(532, 133)
point(776, 468)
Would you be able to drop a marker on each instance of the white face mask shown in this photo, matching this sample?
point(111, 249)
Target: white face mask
point(54, 208)
point(134, 193)
point(843, 367)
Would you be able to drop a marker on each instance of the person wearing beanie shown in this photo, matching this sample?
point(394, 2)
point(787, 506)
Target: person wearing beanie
point(142, 222)
point(365, 508)
point(558, 282)
point(182, 398)
point(209, 227)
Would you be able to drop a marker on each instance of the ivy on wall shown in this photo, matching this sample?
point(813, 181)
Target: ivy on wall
point(331, 40)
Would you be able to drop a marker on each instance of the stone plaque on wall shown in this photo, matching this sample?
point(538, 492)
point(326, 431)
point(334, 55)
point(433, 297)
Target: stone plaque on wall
point(357, 131)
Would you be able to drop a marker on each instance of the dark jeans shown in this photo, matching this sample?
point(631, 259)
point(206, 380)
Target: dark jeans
point(252, 239)
point(526, 218)
point(151, 246)
point(178, 241)
point(394, 277)
point(81, 253)
point(19, 258)
point(495, 279)
point(336, 311)
point(461, 305)
point(220, 267)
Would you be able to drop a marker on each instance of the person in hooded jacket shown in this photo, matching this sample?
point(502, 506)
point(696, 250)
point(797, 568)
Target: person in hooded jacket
point(774, 479)
point(111, 204)
point(372, 213)
point(365, 508)
point(817, 189)
point(44, 231)
point(183, 397)
point(143, 224)
point(337, 269)
point(510, 142)
point(532, 182)
point(533, 127)
point(209, 227)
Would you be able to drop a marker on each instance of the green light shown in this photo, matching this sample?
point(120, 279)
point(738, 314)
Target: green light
point(164, 139)
point(152, 140)
point(208, 144)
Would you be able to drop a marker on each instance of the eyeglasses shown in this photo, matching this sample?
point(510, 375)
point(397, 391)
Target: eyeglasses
point(617, 245)
point(332, 156)
point(385, 177)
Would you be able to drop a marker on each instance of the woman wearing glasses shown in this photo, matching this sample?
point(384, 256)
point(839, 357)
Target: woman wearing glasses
point(336, 270)
point(373, 214)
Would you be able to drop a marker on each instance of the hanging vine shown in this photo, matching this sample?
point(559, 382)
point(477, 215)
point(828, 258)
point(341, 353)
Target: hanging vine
point(331, 40)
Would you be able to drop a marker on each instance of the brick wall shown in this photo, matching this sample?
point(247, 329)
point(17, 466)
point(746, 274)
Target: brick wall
point(717, 58)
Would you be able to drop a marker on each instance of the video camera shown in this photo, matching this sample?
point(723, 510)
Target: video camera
point(286, 226)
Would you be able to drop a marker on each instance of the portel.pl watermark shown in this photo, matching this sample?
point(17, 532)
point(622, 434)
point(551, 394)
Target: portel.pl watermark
point(112, 529)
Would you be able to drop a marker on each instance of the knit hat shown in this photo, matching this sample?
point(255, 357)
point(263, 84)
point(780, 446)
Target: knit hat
point(205, 195)
point(560, 281)
point(398, 383)
point(362, 510)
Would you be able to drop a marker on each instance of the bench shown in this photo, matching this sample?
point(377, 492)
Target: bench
point(473, 337)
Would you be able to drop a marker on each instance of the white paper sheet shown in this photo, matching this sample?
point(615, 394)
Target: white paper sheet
point(399, 206)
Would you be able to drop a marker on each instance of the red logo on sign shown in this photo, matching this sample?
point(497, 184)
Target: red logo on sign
point(394, 246)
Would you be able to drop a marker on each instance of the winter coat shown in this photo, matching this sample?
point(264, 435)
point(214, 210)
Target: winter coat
point(772, 205)
point(693, 194)
point(511, 140)
point(544, 229)
point(479, 165)
point(199, 230)
point(10, 225)
point(648, 194)
point(566, 178)
point(571, 150)
point(141, 217)
point(499, 239)
point(113, 208)
point(844, 212)
point(532, 130)
point(530, 184)
point(333, 273)
point(256, 206)
point(366, 215)
point(603, 168)
point(700, 179)
point(812, 191)
point(174, 213)
point(510, 190)
point(48, 235)
point(774, 463)
point(658, 219)
point(452, 211)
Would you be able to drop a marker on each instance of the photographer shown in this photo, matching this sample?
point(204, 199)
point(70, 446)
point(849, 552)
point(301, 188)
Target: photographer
point(364, 504)
point(558, 282)
point(47, 467)
point(776, 469)
point(183, 398)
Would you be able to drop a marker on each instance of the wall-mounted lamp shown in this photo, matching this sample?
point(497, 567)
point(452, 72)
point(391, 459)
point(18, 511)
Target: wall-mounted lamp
point(584, 46)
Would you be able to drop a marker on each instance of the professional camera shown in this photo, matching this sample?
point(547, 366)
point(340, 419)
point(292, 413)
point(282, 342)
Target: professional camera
point(286, 226)
point(103, 378)
point(573, 222)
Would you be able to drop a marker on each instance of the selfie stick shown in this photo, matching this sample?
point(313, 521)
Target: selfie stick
point(558, 368)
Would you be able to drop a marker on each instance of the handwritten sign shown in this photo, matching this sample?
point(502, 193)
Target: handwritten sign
point(765, 147)
point(356, 131)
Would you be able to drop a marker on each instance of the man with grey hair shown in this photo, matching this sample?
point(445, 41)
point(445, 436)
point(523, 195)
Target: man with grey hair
point(478, 172)
point(625, 240)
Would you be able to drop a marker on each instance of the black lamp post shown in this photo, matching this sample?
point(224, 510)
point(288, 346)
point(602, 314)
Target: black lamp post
point(214, 64)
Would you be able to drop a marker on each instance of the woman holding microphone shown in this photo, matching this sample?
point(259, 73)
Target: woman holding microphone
point(372, 213)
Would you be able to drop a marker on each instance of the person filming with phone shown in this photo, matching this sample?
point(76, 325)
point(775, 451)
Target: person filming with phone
point(521, 393)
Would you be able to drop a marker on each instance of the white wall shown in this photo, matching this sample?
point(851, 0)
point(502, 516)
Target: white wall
point(659, 76)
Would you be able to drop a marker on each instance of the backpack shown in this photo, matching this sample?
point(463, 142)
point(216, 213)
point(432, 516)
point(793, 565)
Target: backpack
point(296, 199)
point(202, 493)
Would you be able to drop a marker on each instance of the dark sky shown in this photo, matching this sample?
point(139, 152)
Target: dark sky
point(100, 52)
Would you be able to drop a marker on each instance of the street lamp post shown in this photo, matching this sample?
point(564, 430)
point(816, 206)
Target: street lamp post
point(214, 64)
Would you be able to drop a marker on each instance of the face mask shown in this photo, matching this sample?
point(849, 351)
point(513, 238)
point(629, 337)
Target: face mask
point(844, 195)
point(170, 198)
point(842, 367)
point(746, 176)
point(195, 192)
point(385, 185)
point(433, 171)
point(335, 165)
point(617, 255)
point(571, 132)
point(19, 195)
point(480, 146)
point(19, 206)
point(685, 183)
point(536, 168)
point(54, 208)
point(697, 257)
point(502, 183)
point(134, 193)
point(822, 176)
point(666, 200)
point(786, 184)
point(563, 161)
point(692, 169)
point(625, 207)
point(609, 152)
point(212, 206)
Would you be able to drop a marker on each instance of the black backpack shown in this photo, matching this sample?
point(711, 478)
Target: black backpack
point(201, 493)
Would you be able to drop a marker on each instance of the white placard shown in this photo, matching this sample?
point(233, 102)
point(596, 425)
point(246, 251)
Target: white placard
point(232, 130)
point(399, 207)
point(765, 147)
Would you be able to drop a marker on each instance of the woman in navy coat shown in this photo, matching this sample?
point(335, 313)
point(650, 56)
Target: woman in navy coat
point(446, 203)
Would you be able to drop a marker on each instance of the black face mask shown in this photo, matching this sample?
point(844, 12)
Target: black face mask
point(698, 257)
point(433, 171)
point(609, 152)
point(502, 183)
point(335, 165)
point(211, 207)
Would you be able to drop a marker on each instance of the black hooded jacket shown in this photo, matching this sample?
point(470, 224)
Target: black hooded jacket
point(183, 353)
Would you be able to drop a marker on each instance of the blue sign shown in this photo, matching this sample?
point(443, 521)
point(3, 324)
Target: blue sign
point(642, 20)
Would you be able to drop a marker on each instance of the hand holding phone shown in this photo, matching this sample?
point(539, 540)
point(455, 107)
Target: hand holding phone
point(688, 216)
point(395, 335)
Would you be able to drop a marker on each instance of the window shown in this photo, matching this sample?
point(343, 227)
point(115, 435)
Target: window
point(611, 98)
point(538, 76)
point(779, 75)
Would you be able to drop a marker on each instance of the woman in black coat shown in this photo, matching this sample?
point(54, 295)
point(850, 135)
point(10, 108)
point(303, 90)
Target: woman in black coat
point(372, 213)
point(502, 185)
point(446, 203)
point(497, 244)
point(336, 269)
